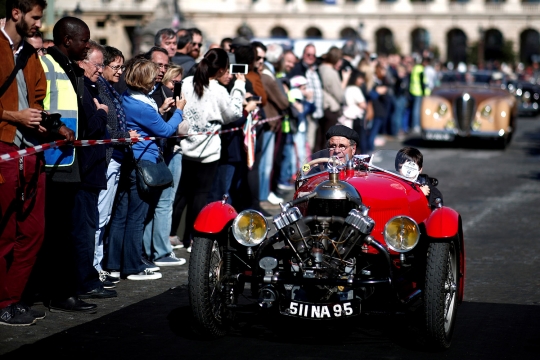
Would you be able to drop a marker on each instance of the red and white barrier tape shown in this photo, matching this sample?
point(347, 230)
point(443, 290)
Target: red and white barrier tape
point(40, 148)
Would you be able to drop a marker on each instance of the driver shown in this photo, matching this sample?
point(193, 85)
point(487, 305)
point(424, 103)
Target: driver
point(342, 142)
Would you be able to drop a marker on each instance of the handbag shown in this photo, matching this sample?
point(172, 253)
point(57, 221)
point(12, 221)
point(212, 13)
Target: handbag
point(153, 176)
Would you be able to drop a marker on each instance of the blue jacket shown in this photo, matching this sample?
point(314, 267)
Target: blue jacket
point(148, 122)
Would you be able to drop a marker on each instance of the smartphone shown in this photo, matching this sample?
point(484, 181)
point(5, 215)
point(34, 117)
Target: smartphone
point(238, 69)
point(177, 90)
point(254, 98)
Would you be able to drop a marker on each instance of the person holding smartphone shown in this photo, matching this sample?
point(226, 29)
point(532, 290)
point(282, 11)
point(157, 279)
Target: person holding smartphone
point(209, 106)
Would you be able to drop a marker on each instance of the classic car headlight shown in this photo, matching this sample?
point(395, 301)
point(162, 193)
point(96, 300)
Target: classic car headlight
point(401, 233)
point(486, 111)
point(442, 109)
point(250, 228)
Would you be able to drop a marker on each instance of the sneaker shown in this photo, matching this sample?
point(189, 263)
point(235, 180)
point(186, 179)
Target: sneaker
point(115, 274)
point(36, 314)
point(175, 242)
point(106, 276)
point(11, 316)
point(285, 187)
point(274, 199)
point(170, 260)
point(188, 249)
point(145, 275)
point(149, 265)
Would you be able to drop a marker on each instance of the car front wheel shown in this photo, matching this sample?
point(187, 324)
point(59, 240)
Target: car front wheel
point(440, 305)
point(206, 267)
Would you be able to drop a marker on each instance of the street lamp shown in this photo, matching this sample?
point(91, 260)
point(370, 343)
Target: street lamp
point(480, 47)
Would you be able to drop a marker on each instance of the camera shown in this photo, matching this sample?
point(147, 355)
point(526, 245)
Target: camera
point(52, 122)
point(238, 69)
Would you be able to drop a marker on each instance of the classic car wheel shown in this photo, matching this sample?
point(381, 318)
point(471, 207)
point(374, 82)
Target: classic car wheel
point(205, 288)
point(440, 305)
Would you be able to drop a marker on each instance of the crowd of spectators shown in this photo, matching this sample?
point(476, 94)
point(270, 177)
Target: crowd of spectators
point(78, 211)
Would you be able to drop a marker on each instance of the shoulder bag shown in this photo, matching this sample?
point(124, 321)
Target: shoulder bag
point(152, 176)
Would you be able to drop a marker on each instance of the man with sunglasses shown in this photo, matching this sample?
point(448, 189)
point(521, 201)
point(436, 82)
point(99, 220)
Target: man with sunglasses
point(196, 43)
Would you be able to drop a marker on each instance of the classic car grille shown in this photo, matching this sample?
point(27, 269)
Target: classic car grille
point(465, 107)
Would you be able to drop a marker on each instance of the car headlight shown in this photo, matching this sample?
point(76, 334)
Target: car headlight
point(250, 228)
point(401, 233)
point(442, 109)
point(486, 111)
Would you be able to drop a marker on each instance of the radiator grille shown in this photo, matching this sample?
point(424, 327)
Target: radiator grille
point(465, 108)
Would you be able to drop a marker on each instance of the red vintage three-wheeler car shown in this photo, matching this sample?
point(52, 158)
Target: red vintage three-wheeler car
point(357, 238)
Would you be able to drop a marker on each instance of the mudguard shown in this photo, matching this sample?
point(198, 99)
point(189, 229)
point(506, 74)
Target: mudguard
point(214, 217)
point(442, 223)
point(445, 223)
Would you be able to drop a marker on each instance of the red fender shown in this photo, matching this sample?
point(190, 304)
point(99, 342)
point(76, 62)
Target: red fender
point(445, 223)
point(442, 223)
point(214, 217)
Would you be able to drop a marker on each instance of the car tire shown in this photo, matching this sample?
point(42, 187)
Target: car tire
point(441, 294)
point(206, 270)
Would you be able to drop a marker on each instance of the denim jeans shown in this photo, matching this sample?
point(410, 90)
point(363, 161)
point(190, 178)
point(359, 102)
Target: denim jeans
point(300, 146)
point(127, 225)
point(377, 125)
point(417, 103)
point(267, 162)
point(105, 204)
point(156, 231)
point(288, 161)
point(400, 104)
point(222, 183)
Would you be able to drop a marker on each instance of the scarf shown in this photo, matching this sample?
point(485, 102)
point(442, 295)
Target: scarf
point(143, 98)
point(117, 101)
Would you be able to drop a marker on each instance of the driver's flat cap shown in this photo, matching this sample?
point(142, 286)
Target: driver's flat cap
point(342, 130)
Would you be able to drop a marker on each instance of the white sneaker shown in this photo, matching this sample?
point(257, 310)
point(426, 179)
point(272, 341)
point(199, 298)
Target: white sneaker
point(145, 275)
point(188, 249)
point(170, 260)
point(175, 242)
point(115, 274)
point(274, 199)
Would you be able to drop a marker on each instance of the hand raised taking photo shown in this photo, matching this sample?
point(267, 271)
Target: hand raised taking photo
point(180, 102)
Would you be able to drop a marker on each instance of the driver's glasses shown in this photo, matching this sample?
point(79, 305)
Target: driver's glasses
point(338, 147)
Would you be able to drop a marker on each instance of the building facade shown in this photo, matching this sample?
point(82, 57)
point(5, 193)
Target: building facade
point(403, 26)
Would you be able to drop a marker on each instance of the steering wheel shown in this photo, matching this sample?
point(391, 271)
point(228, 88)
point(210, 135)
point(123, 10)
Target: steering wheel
point(317, 161)
point(326, 160)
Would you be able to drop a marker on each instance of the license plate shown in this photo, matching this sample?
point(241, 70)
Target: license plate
point(322, 311)
point(439, 136)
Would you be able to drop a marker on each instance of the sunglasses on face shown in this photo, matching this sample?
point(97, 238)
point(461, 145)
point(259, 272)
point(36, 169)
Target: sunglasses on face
point(196, 44)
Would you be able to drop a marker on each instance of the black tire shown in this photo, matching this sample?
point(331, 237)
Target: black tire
point(206, 266)
point(440, 297)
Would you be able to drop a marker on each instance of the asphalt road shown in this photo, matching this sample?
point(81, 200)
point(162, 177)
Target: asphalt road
point(497, 193)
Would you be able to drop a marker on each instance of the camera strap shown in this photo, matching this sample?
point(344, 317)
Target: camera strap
point(22, 59)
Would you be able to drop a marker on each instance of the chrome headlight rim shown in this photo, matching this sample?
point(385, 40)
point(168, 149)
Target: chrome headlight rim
point(486, 111)
point(442, 109)
point(393, 243)
point(240, 236)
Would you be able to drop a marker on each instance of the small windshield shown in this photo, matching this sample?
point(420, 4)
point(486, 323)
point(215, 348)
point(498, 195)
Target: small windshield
point(389, 161)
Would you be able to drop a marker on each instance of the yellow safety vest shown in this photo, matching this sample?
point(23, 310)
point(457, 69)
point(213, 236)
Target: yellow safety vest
point(61, 98)
point(415, 85)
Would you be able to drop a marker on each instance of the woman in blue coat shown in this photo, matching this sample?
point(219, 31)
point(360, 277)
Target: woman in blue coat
point(132, 209)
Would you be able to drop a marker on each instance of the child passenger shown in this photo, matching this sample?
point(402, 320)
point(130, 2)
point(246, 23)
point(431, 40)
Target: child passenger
point(409, 163)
